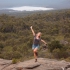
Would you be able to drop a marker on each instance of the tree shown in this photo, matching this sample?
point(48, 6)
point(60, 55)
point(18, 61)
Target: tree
point(54, 45)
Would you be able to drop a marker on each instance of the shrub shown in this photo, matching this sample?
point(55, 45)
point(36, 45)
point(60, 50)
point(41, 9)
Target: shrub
point(16, 55)
point(61, 53)
point(54, 45)
point(56, 53)
point(1, 46)
point(14, 61)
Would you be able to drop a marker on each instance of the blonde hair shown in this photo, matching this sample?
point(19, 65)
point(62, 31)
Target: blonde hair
point(40, 34)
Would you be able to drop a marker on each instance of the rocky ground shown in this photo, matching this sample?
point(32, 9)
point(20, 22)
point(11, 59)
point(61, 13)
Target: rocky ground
point(42, 64)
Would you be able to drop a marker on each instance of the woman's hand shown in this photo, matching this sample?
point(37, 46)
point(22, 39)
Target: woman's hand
point(31, 27)
point(46, 44)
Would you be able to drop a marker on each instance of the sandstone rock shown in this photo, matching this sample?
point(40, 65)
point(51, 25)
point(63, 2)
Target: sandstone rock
point(4, 63)
point(28, 64)
point(67, 67)
point(42, 64)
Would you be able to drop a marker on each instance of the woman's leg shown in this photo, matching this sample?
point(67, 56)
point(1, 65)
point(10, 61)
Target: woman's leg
point(35, 54)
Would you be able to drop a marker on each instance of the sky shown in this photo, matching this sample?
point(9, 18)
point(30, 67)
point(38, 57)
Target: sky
point(39, 3)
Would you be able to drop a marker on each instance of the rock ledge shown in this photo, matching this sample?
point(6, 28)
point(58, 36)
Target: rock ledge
point(42, 64)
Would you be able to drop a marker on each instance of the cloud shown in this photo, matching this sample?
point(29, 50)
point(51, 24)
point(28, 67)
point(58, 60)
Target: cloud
point(30, 8)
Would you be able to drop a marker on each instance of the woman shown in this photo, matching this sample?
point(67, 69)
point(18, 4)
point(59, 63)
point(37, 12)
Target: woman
point(36, 42)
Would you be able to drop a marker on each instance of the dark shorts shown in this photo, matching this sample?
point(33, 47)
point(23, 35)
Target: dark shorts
point(35, 46)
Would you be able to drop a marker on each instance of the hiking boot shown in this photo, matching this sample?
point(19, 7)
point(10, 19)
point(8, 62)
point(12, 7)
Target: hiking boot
point(35, 60)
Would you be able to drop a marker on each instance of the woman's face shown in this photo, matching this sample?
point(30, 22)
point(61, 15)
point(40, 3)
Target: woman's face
point(39, 34)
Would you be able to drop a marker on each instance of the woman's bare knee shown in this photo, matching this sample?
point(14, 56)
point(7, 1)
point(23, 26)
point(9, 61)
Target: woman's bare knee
point(35, 50)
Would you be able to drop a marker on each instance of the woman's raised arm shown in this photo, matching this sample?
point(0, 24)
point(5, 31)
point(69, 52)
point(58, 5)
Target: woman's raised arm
point(32, 30)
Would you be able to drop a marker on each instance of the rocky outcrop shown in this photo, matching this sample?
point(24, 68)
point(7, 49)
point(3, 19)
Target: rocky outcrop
point(42, 64)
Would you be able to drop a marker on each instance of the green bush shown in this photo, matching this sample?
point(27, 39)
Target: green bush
point(1, 47)
point(61, 53)
point(14, 61)
point(56, 53)
point(16, 54)
point(55, 45)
